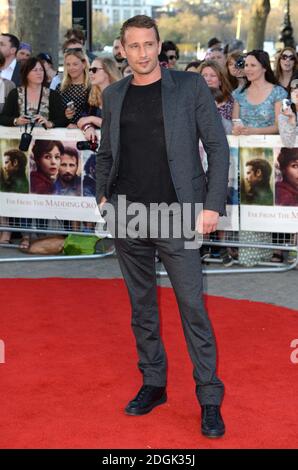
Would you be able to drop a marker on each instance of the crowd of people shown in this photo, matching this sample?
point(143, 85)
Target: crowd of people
point(250, 96)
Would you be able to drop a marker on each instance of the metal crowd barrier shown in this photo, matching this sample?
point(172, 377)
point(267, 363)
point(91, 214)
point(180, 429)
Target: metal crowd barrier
point(284, 242)
point(39, 227)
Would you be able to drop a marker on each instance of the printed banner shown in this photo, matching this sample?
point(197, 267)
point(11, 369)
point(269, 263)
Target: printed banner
point(231, 221)
point(53, 179)
point(268, 185)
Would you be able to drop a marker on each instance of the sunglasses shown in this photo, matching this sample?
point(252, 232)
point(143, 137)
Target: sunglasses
point(94, 69)
point(287, 57)
point(73, 49)
point(172, 57)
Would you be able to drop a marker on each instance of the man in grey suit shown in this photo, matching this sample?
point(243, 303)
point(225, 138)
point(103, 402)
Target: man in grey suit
point(152, 123)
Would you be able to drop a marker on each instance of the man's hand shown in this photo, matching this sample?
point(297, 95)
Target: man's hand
point(207, 221)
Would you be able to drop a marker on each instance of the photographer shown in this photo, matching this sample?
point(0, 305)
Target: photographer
point(75, 85)
point(33, 102)
point(235, 69)
point(287, 119)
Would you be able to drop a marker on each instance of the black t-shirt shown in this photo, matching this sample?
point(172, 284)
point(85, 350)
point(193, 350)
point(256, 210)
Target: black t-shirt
point(144, 174)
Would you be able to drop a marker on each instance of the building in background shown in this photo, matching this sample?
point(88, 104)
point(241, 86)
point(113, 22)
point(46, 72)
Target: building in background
point(118, 11)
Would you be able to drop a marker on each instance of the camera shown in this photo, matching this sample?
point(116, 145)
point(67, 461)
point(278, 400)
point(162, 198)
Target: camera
point(240, 63)
point(70, 105)
point(87, 145)
point(286, 103)
point(25, 141)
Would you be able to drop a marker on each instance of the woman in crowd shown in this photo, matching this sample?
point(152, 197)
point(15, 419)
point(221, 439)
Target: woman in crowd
point(258, 105)
point(46, 159)
point(235, 69)
point(33, 101)
point(286, 66)
point(103, 72)
point(216, 79)
point(30, 103)
point(75, 85)
point(286, 190)
point(288, 118)
point(218, 83)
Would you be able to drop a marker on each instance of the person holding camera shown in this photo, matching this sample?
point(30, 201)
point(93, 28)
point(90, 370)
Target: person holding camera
point(33, 103)
point(103, 72)
point(235, 69)
point(75, 86)
point(288, 117)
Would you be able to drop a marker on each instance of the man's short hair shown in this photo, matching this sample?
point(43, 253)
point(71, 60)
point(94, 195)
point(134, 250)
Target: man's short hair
point(139, 21)
point(71, 152)
point(213, 42)
point(262, 165)
point(14, 41)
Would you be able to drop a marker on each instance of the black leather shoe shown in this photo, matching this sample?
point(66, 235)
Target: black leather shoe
point(212, 424)
point(147, 398)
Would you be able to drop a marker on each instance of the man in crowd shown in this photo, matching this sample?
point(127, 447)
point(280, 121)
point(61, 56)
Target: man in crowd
point(9, 45)
point(117, 53)
point(24, 52)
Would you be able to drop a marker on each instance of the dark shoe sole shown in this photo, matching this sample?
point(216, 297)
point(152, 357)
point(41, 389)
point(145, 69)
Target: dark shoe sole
point(213, 434)
point(144, 411)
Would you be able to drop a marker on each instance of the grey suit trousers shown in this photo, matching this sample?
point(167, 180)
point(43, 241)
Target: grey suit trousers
point(137, 262)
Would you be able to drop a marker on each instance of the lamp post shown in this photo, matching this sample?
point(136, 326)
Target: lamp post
point(286, 32)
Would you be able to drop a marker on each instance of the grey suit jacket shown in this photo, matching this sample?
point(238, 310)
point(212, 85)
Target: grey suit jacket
point(189, 114)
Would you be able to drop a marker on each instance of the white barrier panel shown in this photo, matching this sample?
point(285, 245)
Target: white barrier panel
point(268, 196)
point(54, 180)
point(57, 180)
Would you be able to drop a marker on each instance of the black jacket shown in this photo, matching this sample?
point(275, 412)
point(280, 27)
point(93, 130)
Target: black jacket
point(11, 109)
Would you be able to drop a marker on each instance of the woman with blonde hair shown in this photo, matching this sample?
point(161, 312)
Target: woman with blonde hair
point(75, 86)
point(103, 72)
point(286, 66)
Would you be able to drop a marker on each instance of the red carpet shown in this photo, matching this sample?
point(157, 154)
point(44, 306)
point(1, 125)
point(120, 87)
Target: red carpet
point(61, 385)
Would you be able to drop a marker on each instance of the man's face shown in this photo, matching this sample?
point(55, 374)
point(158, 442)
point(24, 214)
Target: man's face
point(23, 54)
point(252, 177)
point(117, 50)
point(141, 49)
point(218, 56)
point(6, 47)
point(68, 168)
point(9, 167)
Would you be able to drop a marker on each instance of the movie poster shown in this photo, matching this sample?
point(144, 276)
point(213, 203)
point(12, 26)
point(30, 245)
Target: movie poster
point(268, 185)
point(53, 179)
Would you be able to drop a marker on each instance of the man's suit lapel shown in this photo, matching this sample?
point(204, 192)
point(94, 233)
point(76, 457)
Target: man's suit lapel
point(116, 115)
point(169, 105)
